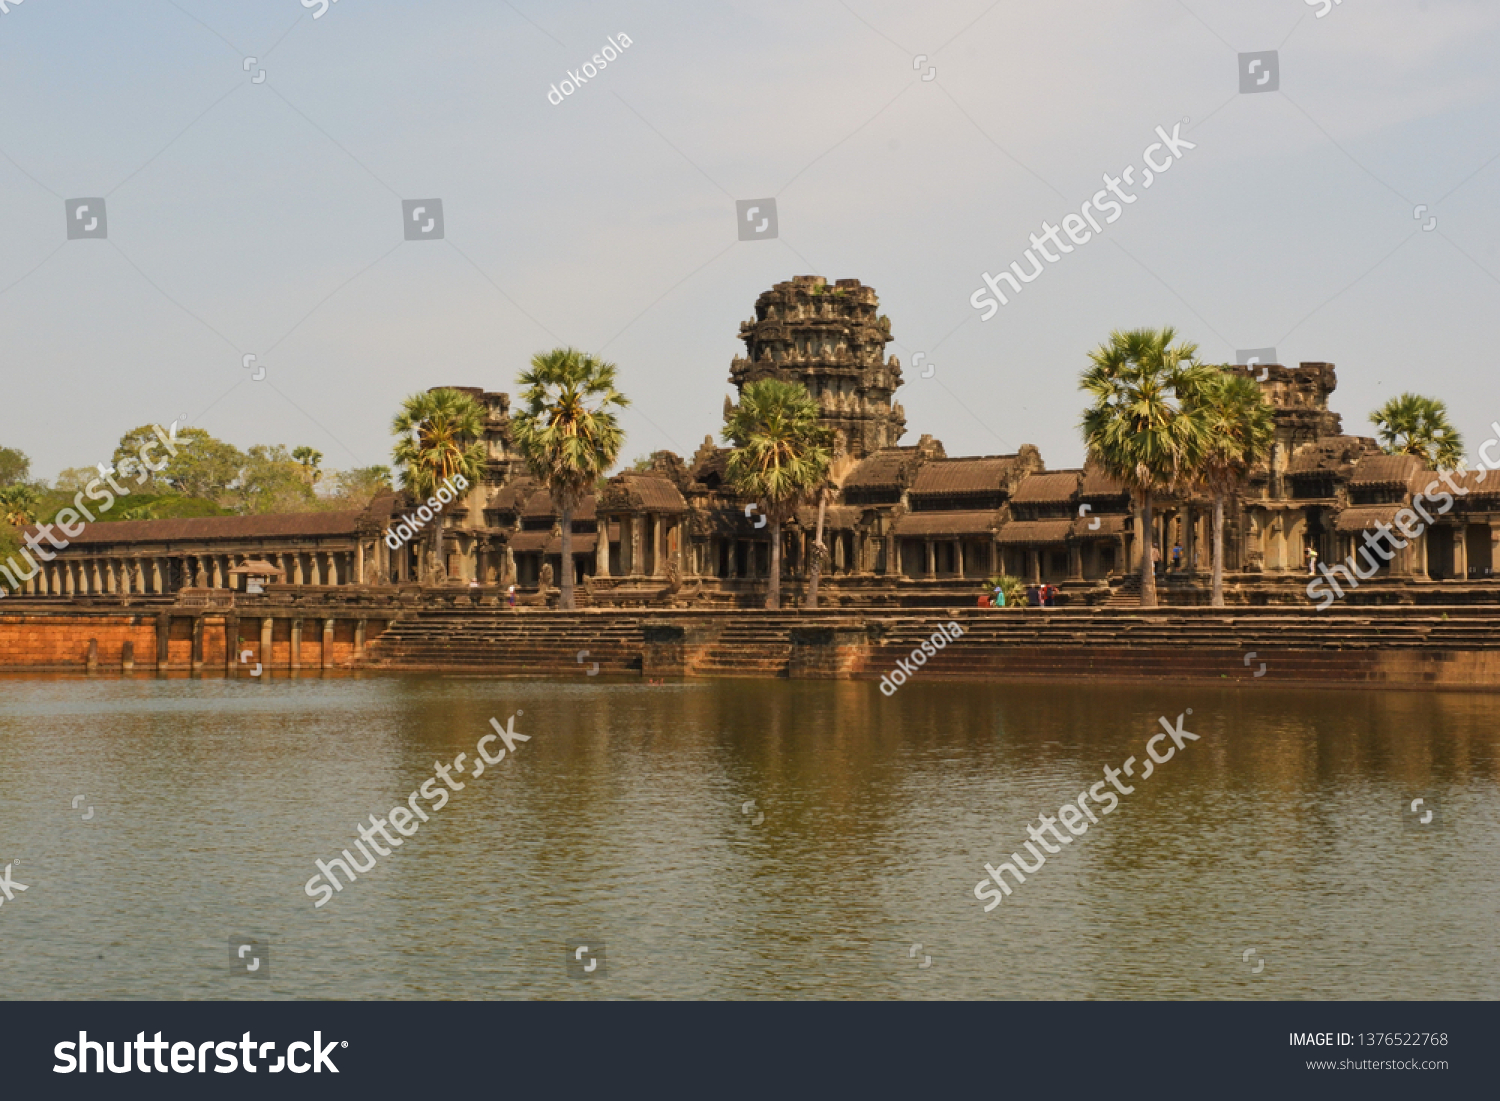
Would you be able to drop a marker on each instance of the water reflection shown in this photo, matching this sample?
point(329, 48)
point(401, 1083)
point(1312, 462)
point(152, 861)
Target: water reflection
point(1283, 830)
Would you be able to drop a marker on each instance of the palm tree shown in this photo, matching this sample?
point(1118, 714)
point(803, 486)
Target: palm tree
point(781, 453)
point(1138, 430)
point(568, 434)
point(1413, 425)
point(439, 437)
point(311, 460)
point(1240, 427)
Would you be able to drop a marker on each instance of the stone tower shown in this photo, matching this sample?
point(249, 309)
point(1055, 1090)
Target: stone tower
point(832, 340)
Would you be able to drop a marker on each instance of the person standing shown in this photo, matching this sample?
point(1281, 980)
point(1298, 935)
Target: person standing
point(1311, 556)
point(510, 598)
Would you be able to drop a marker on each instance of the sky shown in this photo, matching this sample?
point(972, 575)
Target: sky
point(912, 146)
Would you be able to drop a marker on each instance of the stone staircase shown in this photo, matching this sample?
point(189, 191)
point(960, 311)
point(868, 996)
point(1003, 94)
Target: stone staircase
point(532, 642)
point(1408, 645)
point(756, 645)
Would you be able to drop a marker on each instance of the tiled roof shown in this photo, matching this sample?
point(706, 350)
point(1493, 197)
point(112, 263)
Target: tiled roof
point(1035, 532)
point(1096, 483)
point(835, 517)
point(881, 470)
point(540, 505)
point(944, 477)
point(1047, 488)
point(510, 498)
point(648, 492)
point(965, 522)
point(1387, 470)
point(1108, 526)
point(1479, 483)
point(207, 528)
point(1365, 517)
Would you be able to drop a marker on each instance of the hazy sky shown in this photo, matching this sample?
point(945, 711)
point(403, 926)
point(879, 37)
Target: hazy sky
point(266, 218)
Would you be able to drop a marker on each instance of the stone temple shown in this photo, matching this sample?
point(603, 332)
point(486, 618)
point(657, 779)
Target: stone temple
point(907, 525)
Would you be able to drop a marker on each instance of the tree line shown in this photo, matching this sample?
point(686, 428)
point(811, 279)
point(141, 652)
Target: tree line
point(1161, 422)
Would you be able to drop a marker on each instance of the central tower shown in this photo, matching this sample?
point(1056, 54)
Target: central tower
point(832, 340)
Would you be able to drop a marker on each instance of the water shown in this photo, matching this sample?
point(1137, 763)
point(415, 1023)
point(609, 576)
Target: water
point(1283, 832)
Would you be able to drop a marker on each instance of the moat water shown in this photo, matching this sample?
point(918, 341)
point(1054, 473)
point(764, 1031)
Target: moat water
point(744, 839)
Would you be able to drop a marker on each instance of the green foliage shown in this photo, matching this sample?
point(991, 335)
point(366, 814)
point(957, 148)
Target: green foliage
point(18, 505)
point(10, 547)
point(438, 437)
point(74, 478)
point(781, 454)
point(1013, 588)
point(1239, 426)
point(349, 489)
point(781, 451)
point(1414, 425)
point(15, 467)
point(569, 433)
point(272, 481)
point(310, 460)
point(1141, 430)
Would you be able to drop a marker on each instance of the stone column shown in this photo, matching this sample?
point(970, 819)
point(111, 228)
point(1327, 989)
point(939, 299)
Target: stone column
point(326, 656)
point(298, 577)
point(1190, 541)
point(267, 646)
point(197, 660)
point(1034, 564)
point(1461, 551)
point(361, 629)
point(1075, 561)
point(602, 567)
point(359, 561)
point(658, 550)
point(163, 633)
point(296, 662)
point(231, 645)
point(930, 559)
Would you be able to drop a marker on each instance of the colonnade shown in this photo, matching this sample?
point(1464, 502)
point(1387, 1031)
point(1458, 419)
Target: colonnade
point(166, 573)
